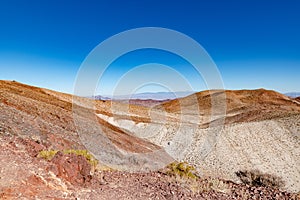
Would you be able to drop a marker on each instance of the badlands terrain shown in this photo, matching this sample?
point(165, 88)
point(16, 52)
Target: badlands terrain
point(203, 146)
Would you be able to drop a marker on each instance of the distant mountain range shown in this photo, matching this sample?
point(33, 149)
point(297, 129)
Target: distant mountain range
point(147, 95)
point(293, 94)
point(164, 95)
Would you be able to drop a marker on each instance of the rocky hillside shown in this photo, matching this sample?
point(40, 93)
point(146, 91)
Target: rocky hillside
point(45, 155)
point(259, 129)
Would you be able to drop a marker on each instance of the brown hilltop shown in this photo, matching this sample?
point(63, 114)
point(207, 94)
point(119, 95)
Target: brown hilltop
point(241, 105)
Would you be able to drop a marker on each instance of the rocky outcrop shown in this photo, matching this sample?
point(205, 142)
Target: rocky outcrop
point(72, 168)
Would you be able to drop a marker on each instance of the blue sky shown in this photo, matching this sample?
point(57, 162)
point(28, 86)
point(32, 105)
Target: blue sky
point(255, 44)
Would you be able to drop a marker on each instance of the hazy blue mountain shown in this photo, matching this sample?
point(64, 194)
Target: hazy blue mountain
point(293, 94)
point(99, 97)
point(148, 95)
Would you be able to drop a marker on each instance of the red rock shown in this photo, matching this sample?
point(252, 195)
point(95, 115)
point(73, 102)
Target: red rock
point(33, 147)
point(72, 168)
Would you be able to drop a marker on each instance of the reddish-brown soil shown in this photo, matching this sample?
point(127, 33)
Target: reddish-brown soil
point(25, 176)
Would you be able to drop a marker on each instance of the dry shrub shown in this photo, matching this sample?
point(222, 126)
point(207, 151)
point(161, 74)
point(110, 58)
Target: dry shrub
point(256, 178)
point(49, 154)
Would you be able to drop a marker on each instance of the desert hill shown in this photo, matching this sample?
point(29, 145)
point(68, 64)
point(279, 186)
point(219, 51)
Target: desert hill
point(241, 105)
point(261, 132)
point(25, 108)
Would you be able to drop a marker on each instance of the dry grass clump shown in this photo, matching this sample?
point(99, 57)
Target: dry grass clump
point(187, 176)
point(49, 154)
point(89, 157)
point(256, 178)
point(182, 169)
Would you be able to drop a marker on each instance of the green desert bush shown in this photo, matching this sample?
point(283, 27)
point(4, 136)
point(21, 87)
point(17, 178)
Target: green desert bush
point(182, 169)
point(186, 175)
point(49, 154)
point(89, 157)
point(256, 178)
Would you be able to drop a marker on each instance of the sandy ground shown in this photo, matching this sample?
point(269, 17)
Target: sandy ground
point(271, 146)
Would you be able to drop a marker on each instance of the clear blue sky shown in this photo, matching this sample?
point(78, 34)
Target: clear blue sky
point(255, 44)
